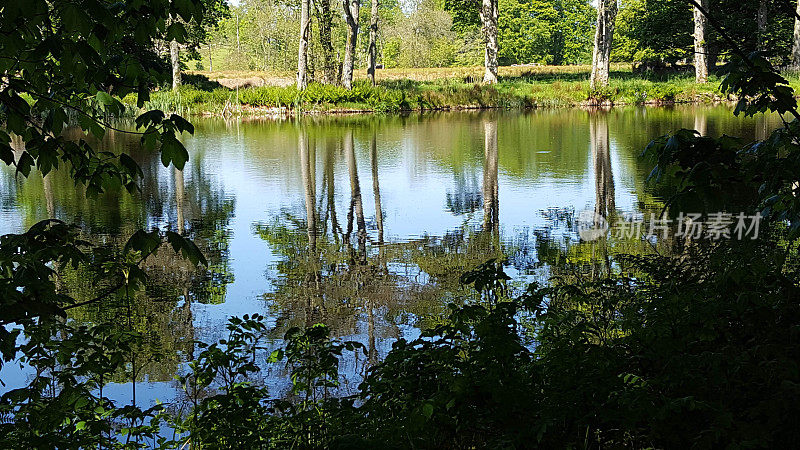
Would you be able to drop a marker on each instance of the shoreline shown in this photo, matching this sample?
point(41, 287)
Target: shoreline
point(273, 112)
point(546, 87)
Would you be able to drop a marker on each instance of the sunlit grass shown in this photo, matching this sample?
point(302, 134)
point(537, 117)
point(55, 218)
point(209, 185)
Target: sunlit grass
point(408, 89)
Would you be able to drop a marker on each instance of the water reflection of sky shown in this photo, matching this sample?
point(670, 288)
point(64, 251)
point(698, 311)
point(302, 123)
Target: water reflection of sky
point(431, 172)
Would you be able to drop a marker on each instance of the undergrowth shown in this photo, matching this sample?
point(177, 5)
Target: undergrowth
point(519, 92)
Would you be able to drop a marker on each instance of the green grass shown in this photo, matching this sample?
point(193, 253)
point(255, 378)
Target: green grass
point(438, 90)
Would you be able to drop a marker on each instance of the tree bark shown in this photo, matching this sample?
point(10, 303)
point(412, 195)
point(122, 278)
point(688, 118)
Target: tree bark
point(604, 35)
point(761, 20)
point(372, 50)
point(302, 52)
point(351, 9)
point(796, 45)
point(325, 22)
point(489, 14)
point(700, 45)
point(175, 59)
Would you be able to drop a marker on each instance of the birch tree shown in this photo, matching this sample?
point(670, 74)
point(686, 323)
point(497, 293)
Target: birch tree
point(604, 35)
point(796, 45)
point(302, 52)
point(372, 49)
point(700, 45)
point(196, 33)
point(351, 10)
point(489, 13)
point(175, 61)
point(761, 20)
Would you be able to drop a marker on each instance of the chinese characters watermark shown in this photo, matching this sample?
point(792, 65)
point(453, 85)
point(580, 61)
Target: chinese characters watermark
point(692, 226)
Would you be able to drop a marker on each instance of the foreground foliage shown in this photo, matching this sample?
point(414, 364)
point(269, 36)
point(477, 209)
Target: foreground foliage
point(699, 349)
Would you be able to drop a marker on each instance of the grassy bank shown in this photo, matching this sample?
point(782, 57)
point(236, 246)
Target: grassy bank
point(253, 93)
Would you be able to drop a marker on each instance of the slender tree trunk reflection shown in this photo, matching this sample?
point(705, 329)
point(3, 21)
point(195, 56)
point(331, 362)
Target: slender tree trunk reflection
point(308, 172)
point(48, 196)
point(701, 121)
point(601, 156)
point(605, 206)
point(329, 186)
point(356, 205)
point(491, 206)
point(376, 190)
point(179, 199)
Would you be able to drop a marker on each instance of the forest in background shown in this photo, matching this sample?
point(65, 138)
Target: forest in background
point(262, 35)
point(297, 56)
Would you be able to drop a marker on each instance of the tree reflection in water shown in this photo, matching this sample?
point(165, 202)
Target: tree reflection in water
point(340, 257)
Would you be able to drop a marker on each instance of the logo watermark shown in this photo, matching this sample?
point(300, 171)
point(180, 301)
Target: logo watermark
point(715, 226)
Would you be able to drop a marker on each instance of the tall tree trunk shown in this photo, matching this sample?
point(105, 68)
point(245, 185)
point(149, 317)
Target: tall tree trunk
point(302, 52)
point(796, 45)
point(700, 46)
point(604, 35)
point(489, 14)
point(175, 59)
point(761, 19)
point(238, 41)
point(491, 207)
point(325, 22)
point(351, 9)
point(372, 50)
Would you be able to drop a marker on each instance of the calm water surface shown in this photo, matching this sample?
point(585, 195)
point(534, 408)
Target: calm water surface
point(363, 223)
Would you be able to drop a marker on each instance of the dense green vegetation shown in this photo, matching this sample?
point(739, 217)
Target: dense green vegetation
point(448, 33)
point(544, 88)
point(254, 47)
point(695, 347)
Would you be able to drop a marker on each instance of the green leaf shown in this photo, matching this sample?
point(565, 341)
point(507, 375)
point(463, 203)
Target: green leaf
point(427, 410)
point(152, 117)
point(187, 248)
point(24, 164)
point(173, 151)
point(176, 32)
point(182, 124)
point(6, 154)
point(143, 242)
point(104, 98)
